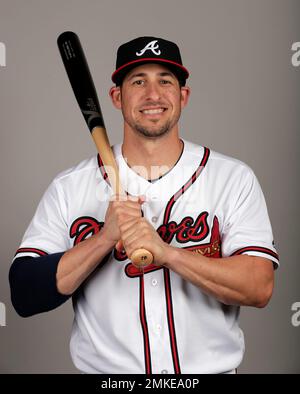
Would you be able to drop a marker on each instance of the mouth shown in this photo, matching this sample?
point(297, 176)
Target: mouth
point(153, 111)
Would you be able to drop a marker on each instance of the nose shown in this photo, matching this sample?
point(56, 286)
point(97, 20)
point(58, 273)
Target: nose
point(153, 91)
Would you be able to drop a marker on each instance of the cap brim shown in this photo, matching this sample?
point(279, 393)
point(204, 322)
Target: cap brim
point(180, 71)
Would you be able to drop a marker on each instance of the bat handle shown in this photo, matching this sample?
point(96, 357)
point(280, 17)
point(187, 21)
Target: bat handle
point(141, 258)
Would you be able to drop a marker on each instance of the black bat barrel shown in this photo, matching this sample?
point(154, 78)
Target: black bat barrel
point(80, 78)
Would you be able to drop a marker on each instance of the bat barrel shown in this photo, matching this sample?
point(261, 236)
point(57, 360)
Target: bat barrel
point(80, 78)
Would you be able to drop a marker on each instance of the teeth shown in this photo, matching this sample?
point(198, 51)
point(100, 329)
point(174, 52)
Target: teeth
point(153, 111)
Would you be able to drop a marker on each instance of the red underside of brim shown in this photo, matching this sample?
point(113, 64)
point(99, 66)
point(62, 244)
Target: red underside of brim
point(149, 60)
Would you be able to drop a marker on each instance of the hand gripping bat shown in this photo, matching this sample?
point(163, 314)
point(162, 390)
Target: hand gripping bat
point(83, 87)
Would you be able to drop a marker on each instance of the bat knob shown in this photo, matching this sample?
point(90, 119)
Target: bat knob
point(141, 258)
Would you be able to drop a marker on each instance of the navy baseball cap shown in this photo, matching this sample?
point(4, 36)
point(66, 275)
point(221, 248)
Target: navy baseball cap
point(143, 50)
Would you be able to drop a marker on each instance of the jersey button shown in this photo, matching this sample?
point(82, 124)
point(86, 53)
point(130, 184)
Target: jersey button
point(154, 219)
point(154, 282)
point(164, 371)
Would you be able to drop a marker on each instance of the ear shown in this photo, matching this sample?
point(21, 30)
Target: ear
point(185, 92)
point(115, 95)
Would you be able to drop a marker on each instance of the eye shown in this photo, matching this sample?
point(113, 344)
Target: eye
point(165, 82)
point(139, 82)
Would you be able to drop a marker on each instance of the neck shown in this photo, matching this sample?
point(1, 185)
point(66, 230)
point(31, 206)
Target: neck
point(151, 157)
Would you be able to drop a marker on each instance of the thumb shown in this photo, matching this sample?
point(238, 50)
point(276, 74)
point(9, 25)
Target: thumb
point(119, 246)
point(142, 199)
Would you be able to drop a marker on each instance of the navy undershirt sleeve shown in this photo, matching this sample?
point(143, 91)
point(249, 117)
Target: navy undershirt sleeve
point(33, 284)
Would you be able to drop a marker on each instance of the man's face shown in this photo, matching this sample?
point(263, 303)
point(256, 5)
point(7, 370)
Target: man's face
point(151, 100)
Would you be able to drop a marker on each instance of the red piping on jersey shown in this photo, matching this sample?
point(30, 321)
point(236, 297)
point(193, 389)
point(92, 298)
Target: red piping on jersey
point(31, 250)
point(186, 185)
point(102, 169)
point(256, 249)
point(147, 353)
point(171, 323)
point(173, 341)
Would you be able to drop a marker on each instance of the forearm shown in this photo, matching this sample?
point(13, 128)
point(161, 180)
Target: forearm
point(237, 280)
point(80, 261)
point(43, 283)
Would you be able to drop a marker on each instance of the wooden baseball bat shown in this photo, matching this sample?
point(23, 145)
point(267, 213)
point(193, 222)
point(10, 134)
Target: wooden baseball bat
point(83, 87)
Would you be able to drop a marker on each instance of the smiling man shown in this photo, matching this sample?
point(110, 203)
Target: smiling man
point(151, 100)
point(201, 214)
point(156, 116)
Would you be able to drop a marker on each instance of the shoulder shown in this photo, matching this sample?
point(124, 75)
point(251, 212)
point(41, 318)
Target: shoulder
point(76, 178)
point(87, 165)
point(218, 162)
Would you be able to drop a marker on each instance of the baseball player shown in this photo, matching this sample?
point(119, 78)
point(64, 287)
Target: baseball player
point(201, 214)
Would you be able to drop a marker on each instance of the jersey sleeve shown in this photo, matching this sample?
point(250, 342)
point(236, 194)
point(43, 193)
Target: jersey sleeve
point(247, 228)
point(47, 232)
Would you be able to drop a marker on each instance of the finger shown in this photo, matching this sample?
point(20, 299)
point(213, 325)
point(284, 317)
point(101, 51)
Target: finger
point(128, 198)
point(130, 223)
point(137, 245)
point(142, 199)
point(126, 205)
point(133, 241)
point(129, 231)
point(119, 246)
point(118, 197)
point(124, 197)
point(129, 212)
point(137, 230)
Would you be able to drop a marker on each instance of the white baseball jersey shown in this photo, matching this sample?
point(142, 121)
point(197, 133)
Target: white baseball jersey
point(126, 322)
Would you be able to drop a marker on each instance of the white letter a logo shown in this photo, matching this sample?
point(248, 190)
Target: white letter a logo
point(150, 47)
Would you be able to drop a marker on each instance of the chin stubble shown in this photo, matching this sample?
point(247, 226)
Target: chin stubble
point(146, 132)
